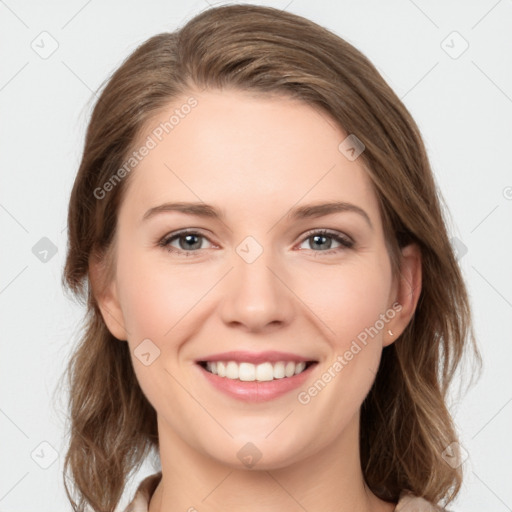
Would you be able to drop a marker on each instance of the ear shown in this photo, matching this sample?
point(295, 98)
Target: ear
point(104, 288)
point(406, 293)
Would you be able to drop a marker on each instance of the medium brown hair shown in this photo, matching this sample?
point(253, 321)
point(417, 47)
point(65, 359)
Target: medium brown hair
point(405, 423)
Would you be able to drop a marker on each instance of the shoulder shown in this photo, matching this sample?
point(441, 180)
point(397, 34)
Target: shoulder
point(140, 502)
point(408, 502)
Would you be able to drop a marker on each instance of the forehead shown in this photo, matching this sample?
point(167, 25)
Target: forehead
point(255, 154)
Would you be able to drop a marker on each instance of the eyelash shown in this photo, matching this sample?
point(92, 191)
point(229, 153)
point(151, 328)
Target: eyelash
point(345, 242)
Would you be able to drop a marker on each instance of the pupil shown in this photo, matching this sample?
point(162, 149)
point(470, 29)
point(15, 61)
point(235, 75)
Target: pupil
point(189, 241)
point(316, 237)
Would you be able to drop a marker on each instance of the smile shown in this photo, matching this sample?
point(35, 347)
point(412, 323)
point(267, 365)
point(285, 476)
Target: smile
point(255, 377)
point(249, 372)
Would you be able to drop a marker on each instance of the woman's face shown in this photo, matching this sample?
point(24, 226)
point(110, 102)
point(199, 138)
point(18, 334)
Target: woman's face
point(257, 281)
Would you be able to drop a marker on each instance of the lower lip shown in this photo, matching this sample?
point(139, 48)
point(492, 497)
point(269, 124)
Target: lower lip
point(257, 391)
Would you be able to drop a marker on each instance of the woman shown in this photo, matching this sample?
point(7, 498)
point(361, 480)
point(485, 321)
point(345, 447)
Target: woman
point(274, 307)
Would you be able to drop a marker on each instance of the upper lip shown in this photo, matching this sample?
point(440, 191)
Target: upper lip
point(255, 357)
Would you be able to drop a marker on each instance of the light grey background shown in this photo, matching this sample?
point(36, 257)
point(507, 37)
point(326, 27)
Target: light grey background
point(462, 104)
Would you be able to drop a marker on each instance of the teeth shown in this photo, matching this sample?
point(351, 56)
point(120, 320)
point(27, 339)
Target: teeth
point(250, 372)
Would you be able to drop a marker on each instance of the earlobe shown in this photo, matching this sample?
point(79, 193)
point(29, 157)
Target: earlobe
point(407, 294)
point(106, 296)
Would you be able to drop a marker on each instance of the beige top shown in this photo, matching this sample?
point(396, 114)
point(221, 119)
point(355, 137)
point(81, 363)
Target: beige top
point(140, 503)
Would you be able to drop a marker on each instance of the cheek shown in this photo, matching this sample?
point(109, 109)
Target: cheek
point(352, 306)
point(348, 298)
point(343, 300)
point(154, 298)
point(157, 302)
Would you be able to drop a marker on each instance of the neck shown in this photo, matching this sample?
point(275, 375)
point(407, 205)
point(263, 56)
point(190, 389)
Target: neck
point(332, 479)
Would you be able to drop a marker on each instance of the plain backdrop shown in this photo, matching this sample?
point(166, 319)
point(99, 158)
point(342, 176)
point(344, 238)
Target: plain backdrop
point(450, 63)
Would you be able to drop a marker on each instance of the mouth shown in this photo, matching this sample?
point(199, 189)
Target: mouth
point(244, 371)
point(255, 377)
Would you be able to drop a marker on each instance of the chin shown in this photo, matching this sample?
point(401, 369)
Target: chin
point(259, 453)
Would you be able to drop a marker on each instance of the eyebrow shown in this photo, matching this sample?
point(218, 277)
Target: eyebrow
point(299, 213)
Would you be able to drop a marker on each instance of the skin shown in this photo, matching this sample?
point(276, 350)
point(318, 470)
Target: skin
point(255, 158)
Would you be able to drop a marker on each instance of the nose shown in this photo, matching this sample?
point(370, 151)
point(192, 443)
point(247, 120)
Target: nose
point(258, 296)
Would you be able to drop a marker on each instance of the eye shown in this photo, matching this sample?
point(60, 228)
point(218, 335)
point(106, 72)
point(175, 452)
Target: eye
point(323, 239)
point(189, 242)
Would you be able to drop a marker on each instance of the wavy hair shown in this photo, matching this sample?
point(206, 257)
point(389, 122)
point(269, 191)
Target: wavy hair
point(405, 423)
